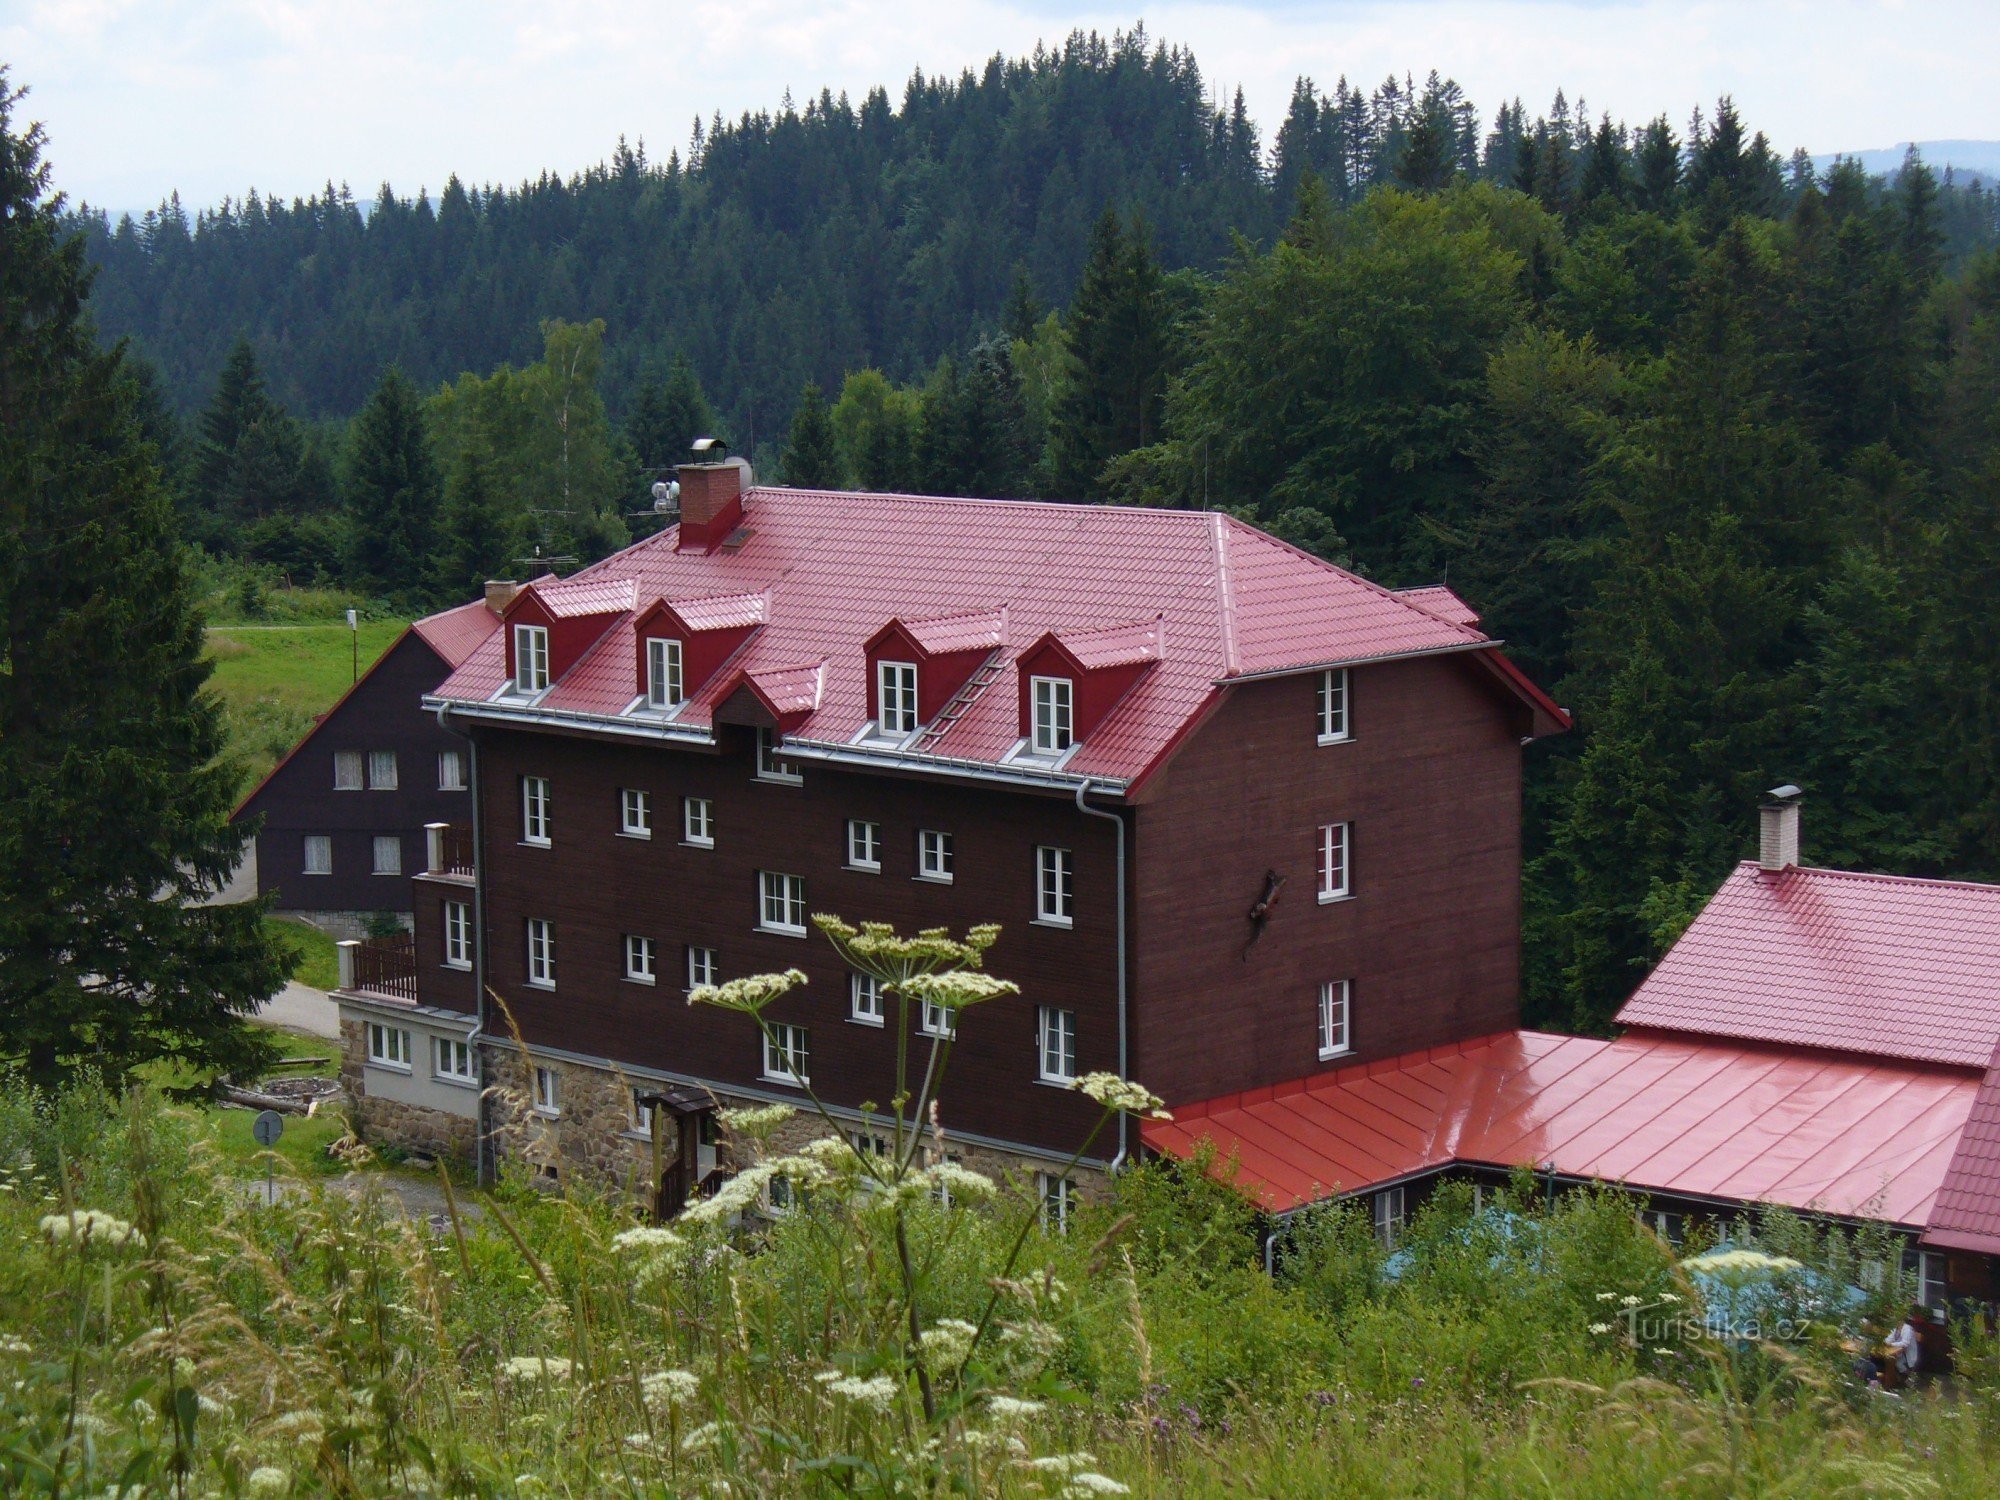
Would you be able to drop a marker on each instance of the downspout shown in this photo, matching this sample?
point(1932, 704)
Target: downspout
point(481, 1165)
point(1082, 790)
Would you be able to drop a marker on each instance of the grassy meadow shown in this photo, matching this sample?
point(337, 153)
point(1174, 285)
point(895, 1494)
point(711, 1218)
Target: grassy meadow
point(274, 680)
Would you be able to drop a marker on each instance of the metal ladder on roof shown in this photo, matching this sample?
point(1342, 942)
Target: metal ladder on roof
point(981, 679)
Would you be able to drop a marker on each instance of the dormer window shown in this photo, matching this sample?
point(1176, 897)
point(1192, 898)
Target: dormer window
point(896, 693)
point(663, 673)
point(531, 658)
point(1054, 714)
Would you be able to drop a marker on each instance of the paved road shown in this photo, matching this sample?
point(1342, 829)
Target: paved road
point(298, 1007)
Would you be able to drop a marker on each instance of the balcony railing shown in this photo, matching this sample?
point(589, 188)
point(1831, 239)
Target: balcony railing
point(447, 849)
point(380, 966)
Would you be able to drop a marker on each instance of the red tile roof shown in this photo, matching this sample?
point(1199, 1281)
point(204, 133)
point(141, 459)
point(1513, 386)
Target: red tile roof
point(837, 567)
point(455, 633)
point(1441, 602)
point(1967, 1216)
point(982, 630)
point(1704, 1120)
point(1879, 965)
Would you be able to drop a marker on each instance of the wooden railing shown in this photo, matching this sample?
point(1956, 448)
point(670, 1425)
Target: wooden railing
point(448, 849)
point(381, 966)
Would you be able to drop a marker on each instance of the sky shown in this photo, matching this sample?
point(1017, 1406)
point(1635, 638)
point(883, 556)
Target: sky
point(212, 97)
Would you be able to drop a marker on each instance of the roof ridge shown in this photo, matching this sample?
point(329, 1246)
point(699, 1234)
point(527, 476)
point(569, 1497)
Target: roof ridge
point(1225, 597)
point(1472, 633)
point(1876, 875)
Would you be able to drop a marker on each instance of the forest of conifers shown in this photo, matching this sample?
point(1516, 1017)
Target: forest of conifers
point(1710, 437)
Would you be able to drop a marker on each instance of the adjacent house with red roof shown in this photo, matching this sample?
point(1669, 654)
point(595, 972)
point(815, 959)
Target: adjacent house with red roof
point(343, 814)
point(1240, 813)
point(1821, 1039)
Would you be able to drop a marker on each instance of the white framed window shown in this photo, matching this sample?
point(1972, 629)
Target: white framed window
point(864, 995)
point(1055, 713)
point(896, 697)
point(318, 854)
point(701, 967)
point(786, 1058)
point(548, 1091)
point(698, 822)
point(1336, 861)
point(1055, 887)
point(388, 854)
point(451, 1060)
point(936, 1020)
point(451, 770)
point(663, 672)
point(381, 770)
point(771, 766)
point(388, 1046)
point(933, 855)
point(457, 935)
point(1933, 1288)
point(1388, 1205)
point(781, 905)
point(1333, 706)
point(864, 845)
point(531, 658)
point(635, 813)
point(1058, 1196)
point(1333, 1035)
point(638, 958)
point(642, 1112)
point(541, 953)
point(868, 1143)
point(1057, 1045)
point(535, 810)
point(941, 1193)
point(347, 770)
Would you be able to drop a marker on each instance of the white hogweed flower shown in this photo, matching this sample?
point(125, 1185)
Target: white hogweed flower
point(536, 1367)
point(877, 1392)
point(749, 994)
point(1011, 1408)
point(956, 989)
point(1122, 1095)
point(1088, 1482)
point(756, 1121)
point(665, 1388)
point(267, 1481)
point(647, 1237)
point(87, 1226)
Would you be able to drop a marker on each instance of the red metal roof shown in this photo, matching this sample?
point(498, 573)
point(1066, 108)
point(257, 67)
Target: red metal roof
point(1441, 602)
point(455, 633)
point(982, 630)
point(1879, 965)
point(837, 567)
point(1703, 1120)
point(1967, 1216)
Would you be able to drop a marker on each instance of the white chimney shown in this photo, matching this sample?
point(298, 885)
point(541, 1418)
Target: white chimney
point(1778, 829)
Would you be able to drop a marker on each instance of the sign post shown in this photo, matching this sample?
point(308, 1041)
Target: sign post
point(265, 1130)
point(354, 639)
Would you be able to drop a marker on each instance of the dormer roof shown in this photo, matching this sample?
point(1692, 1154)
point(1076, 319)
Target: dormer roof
point(1198, 601)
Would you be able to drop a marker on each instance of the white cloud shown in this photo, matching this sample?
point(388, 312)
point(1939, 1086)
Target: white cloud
point(213, 96)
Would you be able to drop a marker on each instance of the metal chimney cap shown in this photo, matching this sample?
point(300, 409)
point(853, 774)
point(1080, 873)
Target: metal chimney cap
point(710, 450)
point(1784, 794)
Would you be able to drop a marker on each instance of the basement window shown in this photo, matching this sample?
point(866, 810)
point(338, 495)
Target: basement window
point(388, 1046)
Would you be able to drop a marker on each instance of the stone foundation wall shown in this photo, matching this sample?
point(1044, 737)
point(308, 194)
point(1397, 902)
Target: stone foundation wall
point(389, 1122)
point(340, 925)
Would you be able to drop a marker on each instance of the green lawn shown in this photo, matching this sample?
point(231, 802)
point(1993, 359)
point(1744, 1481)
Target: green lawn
point(303, 1145)
point(319, 960)
point(274, 680)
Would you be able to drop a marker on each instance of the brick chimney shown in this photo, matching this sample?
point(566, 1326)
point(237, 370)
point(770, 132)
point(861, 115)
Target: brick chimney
point(711, 495)
point(500, 593)
point(1778, 829)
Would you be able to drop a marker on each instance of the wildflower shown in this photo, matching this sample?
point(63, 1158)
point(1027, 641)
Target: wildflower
point(1628, 1301)
point(646, 1237)
point(1668, 1297)
point(949, 1340)
point(1658, 1350)
point(957, 989)
point(957, 1183)
point(1010, 1409)
point(1122, 1095)
point(755, 1121)
point(1607, 1296)
point(535, 1367)
point(1740, 1262)
point(704, 1437)
point(269, 1481)
point(1060, 1463)
point(875, 1391)
point(750, 994)
point(665, 1388)
point(1088, 1482)
point(1600, 1328)
point(86, 1226)
point(877, 948)
point(11, 1345)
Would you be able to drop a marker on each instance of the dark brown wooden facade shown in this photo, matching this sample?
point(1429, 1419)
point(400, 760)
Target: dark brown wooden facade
point(1428, 941)
point(383, 713)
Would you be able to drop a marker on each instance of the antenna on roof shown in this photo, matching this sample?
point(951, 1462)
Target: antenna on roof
point(666, 502)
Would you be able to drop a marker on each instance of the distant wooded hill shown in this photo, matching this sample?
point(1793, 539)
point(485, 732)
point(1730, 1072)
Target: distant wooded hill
point(803, 243)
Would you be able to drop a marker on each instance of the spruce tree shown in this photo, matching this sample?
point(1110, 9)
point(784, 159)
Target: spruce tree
point(472, 539)
point(1116, 335)
point(116, 830)
point(392, 489)
point(666, 418)
point(812, 450)
point(238, 404)
point(1659, 167)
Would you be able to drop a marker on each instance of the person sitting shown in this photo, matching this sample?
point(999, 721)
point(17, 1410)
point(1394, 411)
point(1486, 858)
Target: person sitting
point(1906, 1344)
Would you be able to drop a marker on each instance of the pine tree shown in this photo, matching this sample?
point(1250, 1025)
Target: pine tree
point(1659, 167)
point(1917, 215)
point(238, 404)
point(1116, 334)
point(392, 489)
point(117, 805)
point(812, 450)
